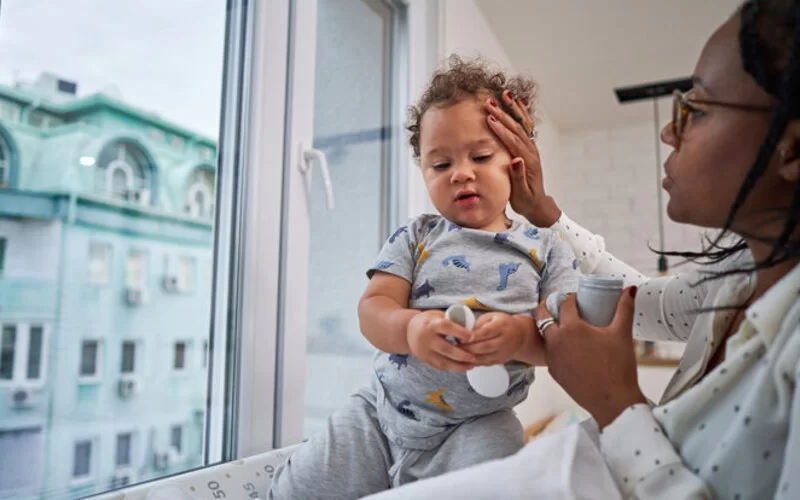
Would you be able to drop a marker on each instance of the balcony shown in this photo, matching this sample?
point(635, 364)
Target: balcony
point(27, 298)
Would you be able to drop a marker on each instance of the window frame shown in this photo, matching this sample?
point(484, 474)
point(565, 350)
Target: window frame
point(134, 372)
point(131, 450)
point(21, 355)
point(89, 477)
point(106, 278)
point(187, 345)
point(97, 377)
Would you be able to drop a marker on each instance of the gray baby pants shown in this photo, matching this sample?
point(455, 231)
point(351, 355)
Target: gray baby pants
point(353, 458)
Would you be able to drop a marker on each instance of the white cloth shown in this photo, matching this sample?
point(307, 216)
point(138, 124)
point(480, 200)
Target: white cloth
point(735, 434)
point(563, 465)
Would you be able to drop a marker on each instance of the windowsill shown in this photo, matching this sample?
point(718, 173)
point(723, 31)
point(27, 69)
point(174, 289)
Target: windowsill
point(181, 374)
point(89, 380)
point(98, 285)
point(34, 385)
point(81, 481)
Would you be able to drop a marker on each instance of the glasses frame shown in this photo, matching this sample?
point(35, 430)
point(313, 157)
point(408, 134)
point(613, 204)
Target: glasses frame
point(682, 104)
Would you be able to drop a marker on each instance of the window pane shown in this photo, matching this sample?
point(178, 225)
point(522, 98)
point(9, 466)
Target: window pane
point(35, 339)
point(180, 356)
point(353, 66)
point(20, 459)
point(98, 263)
point(82, 466)
point(176, 438)
point(136, 269)
point(7, 347)
point(88, 366)
point(124, 450)
point(128, 357)
point(2, 245)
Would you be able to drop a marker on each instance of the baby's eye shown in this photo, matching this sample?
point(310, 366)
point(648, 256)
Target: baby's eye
point(441, 166)
point(482, 158)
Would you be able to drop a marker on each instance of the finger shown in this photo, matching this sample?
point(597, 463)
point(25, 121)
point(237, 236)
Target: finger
point(517, 110)
point(479, 349)
point(519, 182)
point(569, 311)
point(497, 116)
point(453, 353)
point(447, 328)
point(623, 318)
point(527, 120)
point(446, 364)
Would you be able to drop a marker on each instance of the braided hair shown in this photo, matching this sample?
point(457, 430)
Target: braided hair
point(769, 40)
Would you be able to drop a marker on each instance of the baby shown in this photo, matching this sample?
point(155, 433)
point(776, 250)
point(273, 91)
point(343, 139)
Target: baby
point(419, 417)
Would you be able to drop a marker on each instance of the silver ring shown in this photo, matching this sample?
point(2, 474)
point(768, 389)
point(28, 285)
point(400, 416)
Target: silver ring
point(534, 135)
point(543, 324)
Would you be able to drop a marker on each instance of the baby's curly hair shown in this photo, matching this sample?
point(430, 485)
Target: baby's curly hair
point(459, 79)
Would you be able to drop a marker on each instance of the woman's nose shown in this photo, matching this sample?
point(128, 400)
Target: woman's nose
point(668, 136)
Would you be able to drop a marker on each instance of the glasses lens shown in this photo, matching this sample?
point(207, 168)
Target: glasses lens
point(677, 114)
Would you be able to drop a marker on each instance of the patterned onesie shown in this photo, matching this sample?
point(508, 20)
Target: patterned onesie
point(423, 416)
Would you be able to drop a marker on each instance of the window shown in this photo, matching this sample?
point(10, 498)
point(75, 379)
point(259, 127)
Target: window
point(137, 269)
point(89, 368)
point(156, 135)
point(123, 454)
point(200, 197)
point(35, 346)
point(126, 172)
point(176, 438)
point(179, 356)
point(205, 353)
point(128, 364)
point(8, 344)
point(20, 461)
point(5, 168)
point(177, 142)
point(3, 244)
point(9, 112)
point(82, 462)
point(185, 273)
point(99, 263)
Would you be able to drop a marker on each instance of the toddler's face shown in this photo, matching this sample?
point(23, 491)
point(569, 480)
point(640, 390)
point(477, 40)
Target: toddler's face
point(464, 165)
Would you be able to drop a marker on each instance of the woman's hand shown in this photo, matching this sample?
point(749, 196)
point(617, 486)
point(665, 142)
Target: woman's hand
point(528, 196)
point(596, 366)
point(426, 336)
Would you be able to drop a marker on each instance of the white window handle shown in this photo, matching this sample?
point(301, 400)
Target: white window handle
point(308, 155)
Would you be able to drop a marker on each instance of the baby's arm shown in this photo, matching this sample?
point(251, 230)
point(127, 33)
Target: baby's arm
point(383, 313)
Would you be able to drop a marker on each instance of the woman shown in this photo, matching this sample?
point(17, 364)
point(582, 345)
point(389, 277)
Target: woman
point(729, 423)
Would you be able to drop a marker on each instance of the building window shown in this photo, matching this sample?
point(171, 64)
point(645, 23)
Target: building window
point(3, 245)
point(89, 368)
point(82, 465)
point(179, 357)
point(200, 196)
point(205, 353)
point(8, 345)
point(177, 142)
point(5, 168)
point(35, 348)
point(20, 460)
point(186, 273)
point(124, 444)
point(125, 172)
point(137, 269)
point(156, 135)
point(99, 263)
point(9, 112)
point(176, 438)
point(128, 364)
point(207, 153)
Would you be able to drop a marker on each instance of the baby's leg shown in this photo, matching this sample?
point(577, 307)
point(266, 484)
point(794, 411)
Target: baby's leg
point(494, 436)
point(349, 459)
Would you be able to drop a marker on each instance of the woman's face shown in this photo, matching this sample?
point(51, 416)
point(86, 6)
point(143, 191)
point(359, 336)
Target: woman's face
point(719, 145)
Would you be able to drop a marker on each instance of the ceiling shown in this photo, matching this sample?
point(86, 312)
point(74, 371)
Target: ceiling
point(580, 50)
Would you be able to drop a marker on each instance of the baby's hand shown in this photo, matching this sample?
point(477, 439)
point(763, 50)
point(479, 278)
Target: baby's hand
point(496, 340)
point(426, 338)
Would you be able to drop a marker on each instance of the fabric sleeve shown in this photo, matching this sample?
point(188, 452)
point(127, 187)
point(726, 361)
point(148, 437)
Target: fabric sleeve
point(561, 273)
point(399, 253)
point(644, 461)
point(665, 306)
point(788, 484)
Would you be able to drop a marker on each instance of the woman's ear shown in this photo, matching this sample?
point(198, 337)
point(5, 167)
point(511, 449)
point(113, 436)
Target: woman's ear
point(788, 151)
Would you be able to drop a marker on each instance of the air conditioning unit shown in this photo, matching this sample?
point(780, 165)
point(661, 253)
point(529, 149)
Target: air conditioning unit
point(121, 478)
point(140, 196)
point(135, 296)
point(22, 397)
point(171, 283)
point(127, 388)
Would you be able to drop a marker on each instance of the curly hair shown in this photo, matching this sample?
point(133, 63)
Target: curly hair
point(460, 79)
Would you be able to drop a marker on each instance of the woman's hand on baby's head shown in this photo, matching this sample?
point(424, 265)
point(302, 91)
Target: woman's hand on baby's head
point(427, 339)
point(497, 339)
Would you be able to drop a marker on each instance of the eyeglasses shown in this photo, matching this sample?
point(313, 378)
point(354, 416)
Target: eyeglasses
point(683, 105)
